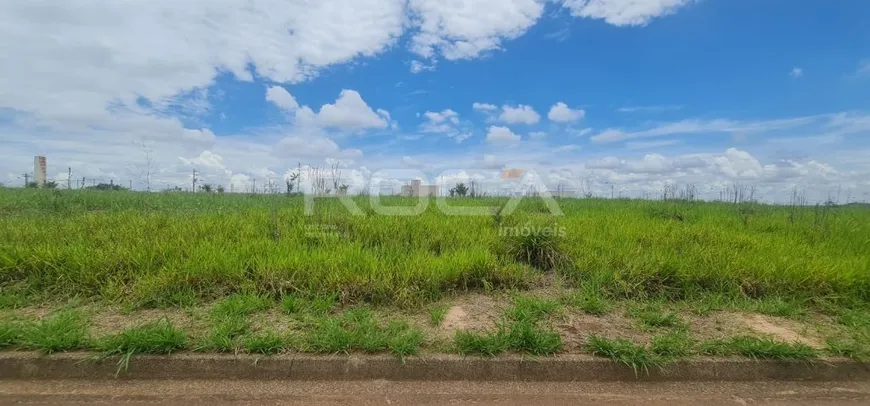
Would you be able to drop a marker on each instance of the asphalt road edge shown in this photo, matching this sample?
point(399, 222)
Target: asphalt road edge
point(187, 366)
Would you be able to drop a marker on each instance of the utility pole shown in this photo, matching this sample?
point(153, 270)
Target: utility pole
point(131, 184)
point(193, 183)
point(254, 189)
point(26, 179)
point(69, 178)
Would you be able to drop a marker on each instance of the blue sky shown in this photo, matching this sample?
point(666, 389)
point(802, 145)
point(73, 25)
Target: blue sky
point(588, 93)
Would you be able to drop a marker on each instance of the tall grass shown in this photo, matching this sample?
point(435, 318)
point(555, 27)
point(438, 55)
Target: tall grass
point(160, 249)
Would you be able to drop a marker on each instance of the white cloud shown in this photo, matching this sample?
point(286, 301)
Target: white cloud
point(462, 29)
point(418, 66)
point(281, 98)
point(624, 12)
point(445, 122)
point(561, 113)
point(796, 73)
point(350, 111)
point(521, 114)
point(484, 107)
point(501, 135)
point(70, 61)
point(699, 126)
point(537, 135)
point(568, 148)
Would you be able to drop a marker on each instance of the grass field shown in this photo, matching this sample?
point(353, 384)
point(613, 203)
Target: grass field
point(167, 249)
point(636, 280)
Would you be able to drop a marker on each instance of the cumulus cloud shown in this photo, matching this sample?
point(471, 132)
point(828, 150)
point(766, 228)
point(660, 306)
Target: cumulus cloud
point(501, 135)
point(484, 107)
point(624, 12)
point(561, 113)
point(466, 29)
point(521, 114)
point(349, 112)
point(445, 122)
point(281, 98)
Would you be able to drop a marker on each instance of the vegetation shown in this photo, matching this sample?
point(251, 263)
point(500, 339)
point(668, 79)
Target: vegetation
point(325, 272)
point(163, 249)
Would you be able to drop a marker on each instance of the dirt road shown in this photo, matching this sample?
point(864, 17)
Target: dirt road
point(383, 392)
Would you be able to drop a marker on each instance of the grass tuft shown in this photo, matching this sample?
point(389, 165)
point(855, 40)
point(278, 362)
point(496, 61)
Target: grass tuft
point(539, 250)
point(653, 317)
point(672, 345)
point(62, 331)
point(437, 314)
point(623, 351)
point(159, 337)
point(266, 343)
point(590, 303)
point(754, 347)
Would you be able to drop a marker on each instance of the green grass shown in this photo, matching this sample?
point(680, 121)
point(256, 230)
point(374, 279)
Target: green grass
point(266, 342)
point(521, 330)
point(229, 319)
point(652, 316)
point(624, 352)
point(590, 303)
point(177, 249)
point(531, 309)
point(159, 337)
point(62, 331)
point(437, 314)
point(11, 332)
point(672, 345)
point(359, 330)
point(754, 347)
point(486, 344)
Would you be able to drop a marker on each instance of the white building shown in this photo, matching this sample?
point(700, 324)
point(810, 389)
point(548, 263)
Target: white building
point(416, 188)
point(39, 170)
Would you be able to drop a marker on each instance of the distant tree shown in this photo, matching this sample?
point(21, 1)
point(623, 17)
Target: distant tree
point(289, 184)
point(220, 189)
point(106, 186)
point(459, 190)
point(32, 185)
point(342, 189)
point(206, 187)
point(50, 185)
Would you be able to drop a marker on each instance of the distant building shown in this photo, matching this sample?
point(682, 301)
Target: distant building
point(39, 170)
point(418, 189)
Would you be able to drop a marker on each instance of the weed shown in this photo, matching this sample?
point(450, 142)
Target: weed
point(267, 342)
point(64, 330)
point(357, 329)
point(239, 305)
point(540, 250)
point(776, 306)
point(159, 337)
point(531, 309)
point(317, 306)
point(672, 345)
point(487, 344)
point(622, 351)
point(589, 303)
point(437, 314)
point(525, 336)
point(11, 332)
point(653, 317)
point(754, 347)
point(848, 349)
